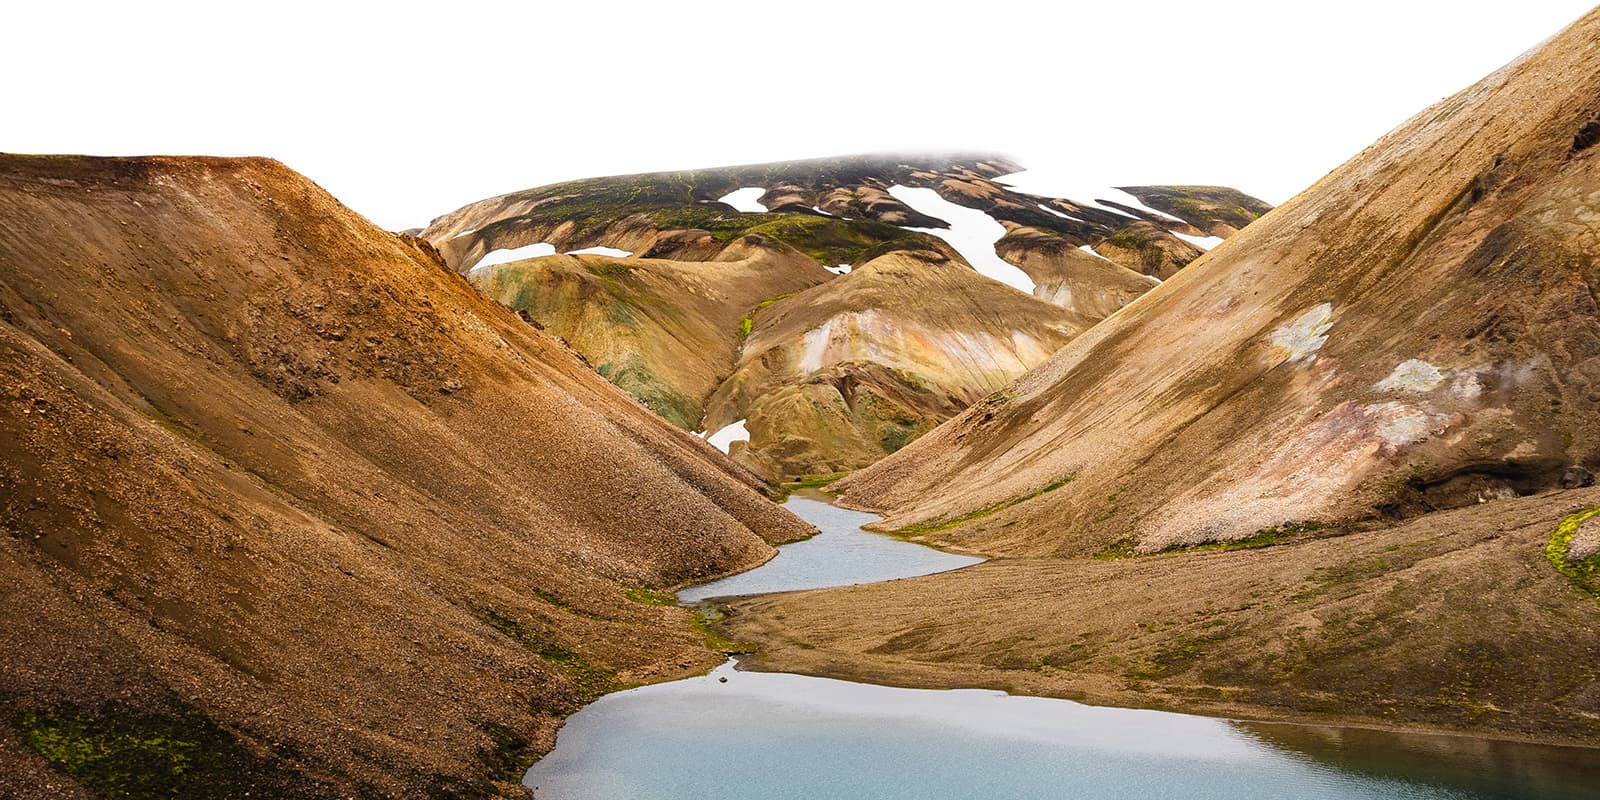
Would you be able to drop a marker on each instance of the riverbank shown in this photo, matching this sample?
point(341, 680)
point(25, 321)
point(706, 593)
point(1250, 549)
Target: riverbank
point(1453, 622)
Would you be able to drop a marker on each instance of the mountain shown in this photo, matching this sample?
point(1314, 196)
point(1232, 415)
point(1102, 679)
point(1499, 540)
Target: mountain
point(292, 510)
point(1335, 466)
point(830, 310)
point(1415, 332)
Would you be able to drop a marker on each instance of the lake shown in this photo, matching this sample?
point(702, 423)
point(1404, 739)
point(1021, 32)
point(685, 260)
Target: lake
point(776, 736)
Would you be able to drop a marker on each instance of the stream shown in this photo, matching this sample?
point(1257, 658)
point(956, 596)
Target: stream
point(775, 736)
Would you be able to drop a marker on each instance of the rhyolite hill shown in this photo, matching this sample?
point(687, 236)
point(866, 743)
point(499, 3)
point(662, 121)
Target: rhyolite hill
point(1339, 467)
point(833, 324)
point(291, 510)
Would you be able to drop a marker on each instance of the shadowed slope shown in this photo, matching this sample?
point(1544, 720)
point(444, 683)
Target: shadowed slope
point(282, 483)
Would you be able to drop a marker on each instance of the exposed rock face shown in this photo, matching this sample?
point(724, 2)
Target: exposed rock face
point(681, 321)
point(1417, 331)
point(282, 486)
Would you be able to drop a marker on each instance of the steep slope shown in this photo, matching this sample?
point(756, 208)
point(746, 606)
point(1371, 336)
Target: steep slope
point(643, 282)
point(833, 378)
point(292, 510)
point(1414, 332)
point(1417, 331)
point(665, 331)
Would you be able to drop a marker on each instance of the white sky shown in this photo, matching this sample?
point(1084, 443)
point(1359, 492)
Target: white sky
point(406, 111)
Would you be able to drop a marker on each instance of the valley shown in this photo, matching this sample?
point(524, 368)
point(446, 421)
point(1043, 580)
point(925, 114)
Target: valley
point(931, 473)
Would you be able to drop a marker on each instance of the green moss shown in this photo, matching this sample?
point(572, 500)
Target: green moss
point(814, 481)
point(509, 755)
point(651, 597)
point(702, 623)
point(1582, 573)
point(608, 269)
point(939, 524)
point(1128, 546)
point(119, 752)
point(1265, 537)
point(635, 377)
point(591, 680)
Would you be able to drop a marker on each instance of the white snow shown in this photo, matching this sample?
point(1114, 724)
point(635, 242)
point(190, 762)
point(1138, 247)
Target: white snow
point(600, 250)
point(724, 438)
point(1078, 189)
point(1043, 207)
point(1202, 242)
point(1090, 250)
point(516, 254)
point(838, 269)
point(467, 232)
point(819, 210)
point(972, 233)
point(745, 199)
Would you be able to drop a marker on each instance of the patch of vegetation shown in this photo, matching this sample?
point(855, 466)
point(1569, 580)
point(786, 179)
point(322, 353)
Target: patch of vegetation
point(893, 436)
point(507, 759)
point(636, 378)
point(651, 597)
point(748, 323)
point(1582, 573)
point(940, 523)
point(1265, 537)
point(1125, 547)
point(609, 269)
point(1128, 546)
point(702, 623)
point(591, 680)
point(123, 753)
point(814, 481)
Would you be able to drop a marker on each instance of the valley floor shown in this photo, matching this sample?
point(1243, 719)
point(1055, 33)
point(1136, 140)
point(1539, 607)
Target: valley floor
point(1451, 621)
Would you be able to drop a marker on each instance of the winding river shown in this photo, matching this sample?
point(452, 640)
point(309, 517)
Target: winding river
point(775, 736)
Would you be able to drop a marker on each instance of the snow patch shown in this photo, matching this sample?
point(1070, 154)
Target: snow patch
point(467, 232)
point(745, 199)
point(838, 269)
point(1306, 335)
point(819, 210)
point(725, 436)
point(1202, 242)
point(600, 250)
point(1090, 250)
point(1078, 189)
point(1049, 210)
point(516, 254)
point(972, 233)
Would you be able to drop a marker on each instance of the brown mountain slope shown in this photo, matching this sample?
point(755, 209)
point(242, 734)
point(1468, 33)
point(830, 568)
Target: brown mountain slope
point(286, 498)
point(1290, 376)
point(834, 377)
point(667, 332)
point(1454, 621)
point(1416, 331)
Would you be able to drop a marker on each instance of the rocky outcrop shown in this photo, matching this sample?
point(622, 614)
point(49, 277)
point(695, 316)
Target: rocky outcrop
point(291, 510)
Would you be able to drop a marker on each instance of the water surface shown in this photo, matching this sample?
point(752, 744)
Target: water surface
point(735, 735)
point(776, 736)
point(841, 555)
